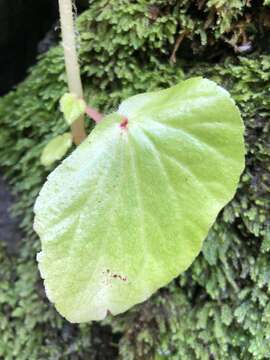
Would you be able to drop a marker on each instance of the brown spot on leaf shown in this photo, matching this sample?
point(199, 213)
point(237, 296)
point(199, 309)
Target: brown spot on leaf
point(111, 275)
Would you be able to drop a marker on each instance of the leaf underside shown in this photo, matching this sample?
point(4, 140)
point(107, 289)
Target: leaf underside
point(129, 209)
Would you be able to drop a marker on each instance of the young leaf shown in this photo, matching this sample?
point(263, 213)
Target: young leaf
point(129, 209)
point(56, 149)
point(72, 107)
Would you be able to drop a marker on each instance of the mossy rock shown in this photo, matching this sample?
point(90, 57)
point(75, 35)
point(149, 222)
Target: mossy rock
point(218, 309)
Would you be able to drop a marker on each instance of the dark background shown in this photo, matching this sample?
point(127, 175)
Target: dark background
point(27, 27)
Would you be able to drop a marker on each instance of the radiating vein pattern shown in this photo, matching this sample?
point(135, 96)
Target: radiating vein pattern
point(129, 209)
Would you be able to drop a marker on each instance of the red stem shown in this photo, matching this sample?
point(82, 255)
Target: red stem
point(97, 117)
point(94, 114)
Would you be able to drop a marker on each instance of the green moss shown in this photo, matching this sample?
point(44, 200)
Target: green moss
point(220, 308)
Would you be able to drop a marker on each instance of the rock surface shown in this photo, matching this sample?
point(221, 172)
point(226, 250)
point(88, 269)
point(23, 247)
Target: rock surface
point(9, 231)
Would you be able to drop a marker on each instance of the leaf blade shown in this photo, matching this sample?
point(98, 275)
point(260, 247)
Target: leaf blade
point(148, 196)
point(56, 149)
point(72, 107)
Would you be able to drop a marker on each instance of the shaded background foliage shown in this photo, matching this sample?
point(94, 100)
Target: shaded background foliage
point(218, 309)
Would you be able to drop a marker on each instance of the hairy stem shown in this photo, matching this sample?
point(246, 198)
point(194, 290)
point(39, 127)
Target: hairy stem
point(72, 64)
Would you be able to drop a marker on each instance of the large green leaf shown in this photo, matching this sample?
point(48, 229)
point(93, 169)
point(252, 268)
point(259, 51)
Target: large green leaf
point(128, 210)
